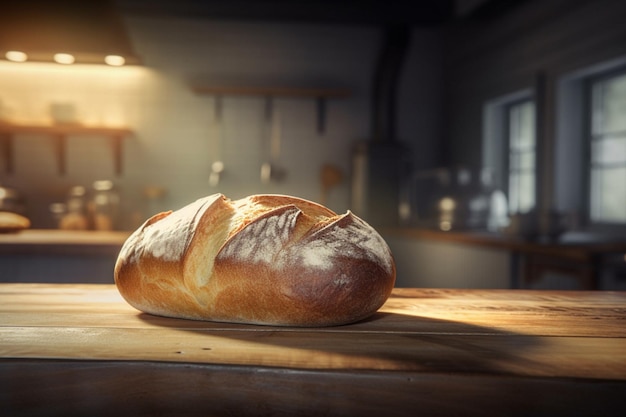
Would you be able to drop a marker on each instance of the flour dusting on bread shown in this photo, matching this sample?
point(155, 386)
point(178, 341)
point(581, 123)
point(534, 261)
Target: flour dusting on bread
point(262, 239)
point(349, 237)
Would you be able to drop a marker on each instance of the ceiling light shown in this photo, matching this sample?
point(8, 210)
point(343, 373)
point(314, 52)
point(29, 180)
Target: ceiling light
point(16, 56)
point(115, 60)
point(64, 58)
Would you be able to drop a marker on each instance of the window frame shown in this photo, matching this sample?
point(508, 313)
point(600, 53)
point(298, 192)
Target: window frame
point(571, 152)
point(588, 137)
point(506, 135)
point(495, 143)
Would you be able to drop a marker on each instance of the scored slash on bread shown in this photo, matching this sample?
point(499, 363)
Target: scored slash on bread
point(264, 259)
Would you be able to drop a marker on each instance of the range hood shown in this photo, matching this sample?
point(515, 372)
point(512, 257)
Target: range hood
point(65, 31)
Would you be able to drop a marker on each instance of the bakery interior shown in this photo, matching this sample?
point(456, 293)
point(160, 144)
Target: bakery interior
point(403, 112)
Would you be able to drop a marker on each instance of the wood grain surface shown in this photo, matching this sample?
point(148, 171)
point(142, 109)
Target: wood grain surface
point(436, 350)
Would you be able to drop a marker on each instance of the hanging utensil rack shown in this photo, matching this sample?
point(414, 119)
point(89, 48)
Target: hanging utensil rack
point(321, 95)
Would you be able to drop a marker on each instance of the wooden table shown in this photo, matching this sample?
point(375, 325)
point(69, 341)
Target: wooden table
point(69, 349)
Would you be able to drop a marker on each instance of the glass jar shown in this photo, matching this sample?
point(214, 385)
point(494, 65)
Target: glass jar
point(104, 205)
point(75, 216)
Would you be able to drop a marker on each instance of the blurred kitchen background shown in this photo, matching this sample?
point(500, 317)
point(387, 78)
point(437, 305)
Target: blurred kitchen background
point(485, 139)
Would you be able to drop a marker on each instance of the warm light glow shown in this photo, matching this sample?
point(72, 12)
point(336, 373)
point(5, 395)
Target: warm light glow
point(217, 166)
point(102, 95)
point(64, 59)
point(445, 225)
point(447, 204)
point(16, 56)
point(115, 60)
point(404, 210)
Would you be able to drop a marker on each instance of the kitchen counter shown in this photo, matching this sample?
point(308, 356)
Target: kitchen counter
point(577, 254)
point(53, 241)
point(62, 256)
point(68, 349)
point(576, 247)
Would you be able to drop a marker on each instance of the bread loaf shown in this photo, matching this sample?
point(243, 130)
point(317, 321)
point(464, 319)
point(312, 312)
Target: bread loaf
point(264, 259)
point(12, 222)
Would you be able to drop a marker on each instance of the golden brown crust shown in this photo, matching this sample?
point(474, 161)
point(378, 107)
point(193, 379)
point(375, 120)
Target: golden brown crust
point(264, 259)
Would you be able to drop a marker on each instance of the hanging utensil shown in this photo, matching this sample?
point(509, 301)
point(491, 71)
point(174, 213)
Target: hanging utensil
point(271, 171)
point(217, 167)
point(330, 176)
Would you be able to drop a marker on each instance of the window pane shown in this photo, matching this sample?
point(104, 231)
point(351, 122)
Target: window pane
point(522, 125)
point(609, 103)
point(522, 157)
point(523, 161)
point(608, 150)
point(526, 192)
point(513, 193)
point(522, 192)
point(611, 150)
point(608, 195)
point(527, 160)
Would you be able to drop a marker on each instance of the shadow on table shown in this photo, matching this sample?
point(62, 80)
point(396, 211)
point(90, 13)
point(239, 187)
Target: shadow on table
point(384, 341)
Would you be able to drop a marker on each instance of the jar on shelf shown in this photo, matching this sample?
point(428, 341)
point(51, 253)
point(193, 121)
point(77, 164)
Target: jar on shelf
point(75, 215)
point(104, 205)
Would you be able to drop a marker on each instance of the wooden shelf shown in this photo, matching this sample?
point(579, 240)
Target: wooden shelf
point(319, 94)
point(60, 132)
point(273, 91)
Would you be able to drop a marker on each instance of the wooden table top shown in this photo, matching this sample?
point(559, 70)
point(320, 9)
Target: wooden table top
point(442, 351)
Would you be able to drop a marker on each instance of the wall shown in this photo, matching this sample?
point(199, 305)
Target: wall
point(175, 129)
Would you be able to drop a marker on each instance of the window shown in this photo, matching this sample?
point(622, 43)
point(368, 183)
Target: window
point(521, 156)
point(607, 149)
point(590, 141)
point(510, 148)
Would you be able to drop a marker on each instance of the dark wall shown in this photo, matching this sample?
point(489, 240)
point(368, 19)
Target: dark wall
point(530, 43)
